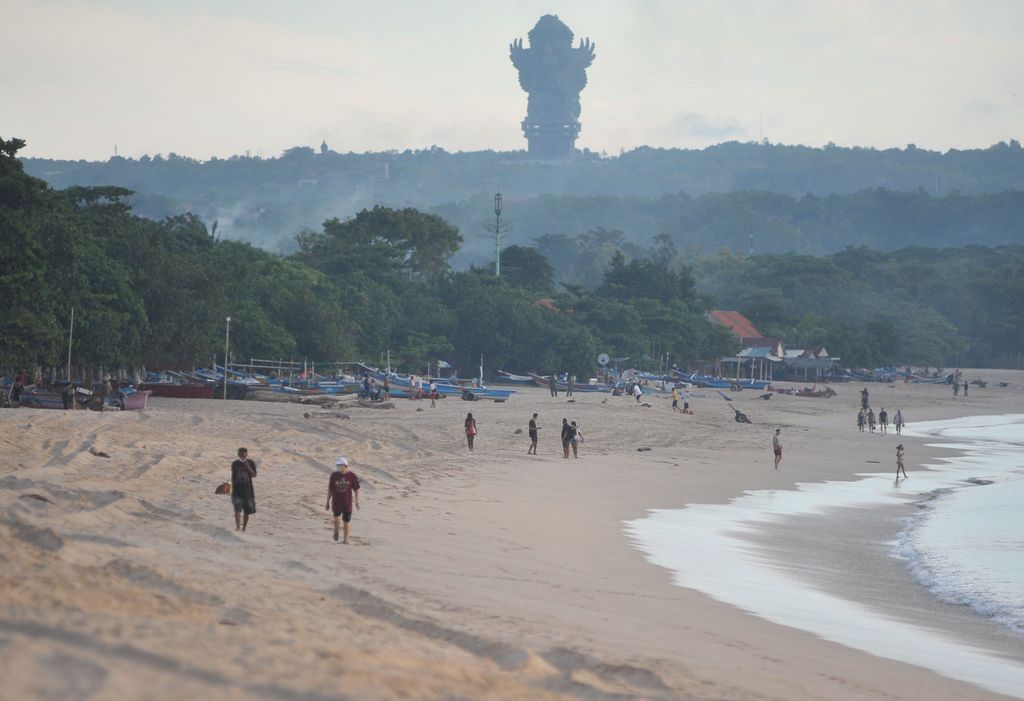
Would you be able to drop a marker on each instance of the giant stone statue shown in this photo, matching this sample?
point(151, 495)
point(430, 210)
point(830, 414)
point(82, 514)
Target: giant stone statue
point(553, 72)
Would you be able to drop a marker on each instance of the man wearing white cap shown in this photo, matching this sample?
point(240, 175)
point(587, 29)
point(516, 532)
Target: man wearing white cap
point(342, 492)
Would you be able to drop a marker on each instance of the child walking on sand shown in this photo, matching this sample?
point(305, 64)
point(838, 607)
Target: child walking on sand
point(470, 430)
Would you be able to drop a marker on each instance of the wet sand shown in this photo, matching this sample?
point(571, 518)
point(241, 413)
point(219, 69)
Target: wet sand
point(492, 575)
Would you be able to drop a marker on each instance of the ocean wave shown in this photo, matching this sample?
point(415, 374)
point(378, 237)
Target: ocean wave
point(954, 587)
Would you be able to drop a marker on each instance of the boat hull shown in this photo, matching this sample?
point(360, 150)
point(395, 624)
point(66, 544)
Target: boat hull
point(180, 391)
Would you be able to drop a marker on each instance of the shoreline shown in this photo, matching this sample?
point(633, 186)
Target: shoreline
point(820, 558)
point(491, 575)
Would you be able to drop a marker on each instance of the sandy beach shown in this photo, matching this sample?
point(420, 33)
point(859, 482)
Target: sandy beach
point(491, 575)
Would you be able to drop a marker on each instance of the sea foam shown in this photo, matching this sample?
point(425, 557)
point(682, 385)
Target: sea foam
point(707, 548)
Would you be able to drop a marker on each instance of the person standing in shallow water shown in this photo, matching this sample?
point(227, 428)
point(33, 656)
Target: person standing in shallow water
point(342, 494)
point(243, 496)
point(470, 430)
point(899, 462)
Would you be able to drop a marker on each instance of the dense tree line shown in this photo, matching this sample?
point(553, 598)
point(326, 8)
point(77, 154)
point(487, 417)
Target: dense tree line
point(765, 222)
point(158, 292)
point(961, 306)
point(732, 190)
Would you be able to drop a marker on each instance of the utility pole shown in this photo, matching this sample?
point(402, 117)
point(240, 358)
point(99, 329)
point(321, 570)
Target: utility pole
point(227, 336)
point(71, 335)
point(497, 237)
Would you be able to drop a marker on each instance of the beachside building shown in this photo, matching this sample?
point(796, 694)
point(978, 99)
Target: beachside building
point(754, 362)
point(740, 325)
point(809, 363)
point(759, 357)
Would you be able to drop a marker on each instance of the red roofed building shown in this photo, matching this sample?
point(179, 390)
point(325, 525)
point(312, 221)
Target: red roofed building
point(741, 326)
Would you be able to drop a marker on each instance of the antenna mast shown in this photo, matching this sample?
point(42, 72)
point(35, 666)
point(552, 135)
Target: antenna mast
point(497, 235)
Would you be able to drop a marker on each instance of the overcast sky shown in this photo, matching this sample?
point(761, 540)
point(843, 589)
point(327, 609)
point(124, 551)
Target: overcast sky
point(215, 78)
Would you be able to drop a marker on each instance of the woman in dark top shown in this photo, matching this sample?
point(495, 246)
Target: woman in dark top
point(243, 496)
point(470, 430)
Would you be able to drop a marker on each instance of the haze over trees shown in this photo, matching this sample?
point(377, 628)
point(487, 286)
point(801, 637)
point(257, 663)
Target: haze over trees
point(157, 293)
point(630, 275)
point(790, 198)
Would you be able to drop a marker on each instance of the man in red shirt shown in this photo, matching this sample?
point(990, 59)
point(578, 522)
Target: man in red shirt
point(342, 492)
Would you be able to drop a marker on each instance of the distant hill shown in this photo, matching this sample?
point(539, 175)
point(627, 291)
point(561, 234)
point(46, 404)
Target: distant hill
point(855, 191)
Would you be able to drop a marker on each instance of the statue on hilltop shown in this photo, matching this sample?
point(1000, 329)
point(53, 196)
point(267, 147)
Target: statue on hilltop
point(553, 72)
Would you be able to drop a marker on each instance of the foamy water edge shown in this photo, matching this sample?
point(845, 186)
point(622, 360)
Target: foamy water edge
point(703, 547)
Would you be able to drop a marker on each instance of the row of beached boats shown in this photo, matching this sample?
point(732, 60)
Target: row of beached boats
point(363, 380)
point(53, 397)
point(666, 381)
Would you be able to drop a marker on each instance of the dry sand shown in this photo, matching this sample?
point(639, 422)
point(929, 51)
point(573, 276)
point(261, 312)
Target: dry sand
point(493, 575)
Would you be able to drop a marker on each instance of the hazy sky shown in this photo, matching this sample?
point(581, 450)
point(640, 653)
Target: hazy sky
point(222, 77)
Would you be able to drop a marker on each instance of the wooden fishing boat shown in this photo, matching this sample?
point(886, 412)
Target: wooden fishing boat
point(51, 398)
point(815, 392)
point(132, 400)
point(179, 390)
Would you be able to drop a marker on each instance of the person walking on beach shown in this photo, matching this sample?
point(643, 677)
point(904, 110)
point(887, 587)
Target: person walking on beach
point(243, 496)
point(566, 437)
point(864, 399)
point(861, 420)
point(470, 430)
point(777, 447)
point(433, 394)
point(899, 462)
point(883, 420)
point(577, 438)
point(552, 385)
point(67, 397)
point(675, 399)
point(342, 494)
point(871, 420)
point(532, 450)
point(898, 422)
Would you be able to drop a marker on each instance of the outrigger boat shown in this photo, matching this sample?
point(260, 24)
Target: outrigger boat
point(403, 384)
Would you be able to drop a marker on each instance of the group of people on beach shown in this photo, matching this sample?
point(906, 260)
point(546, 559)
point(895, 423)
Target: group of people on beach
point(571, 437)
point(866, 417)
point(342, 493)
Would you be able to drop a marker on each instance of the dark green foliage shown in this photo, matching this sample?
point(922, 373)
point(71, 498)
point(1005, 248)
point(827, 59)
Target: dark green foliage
point(527, 268)
point(158, 292)
point(925, 306)
point(382, 241)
